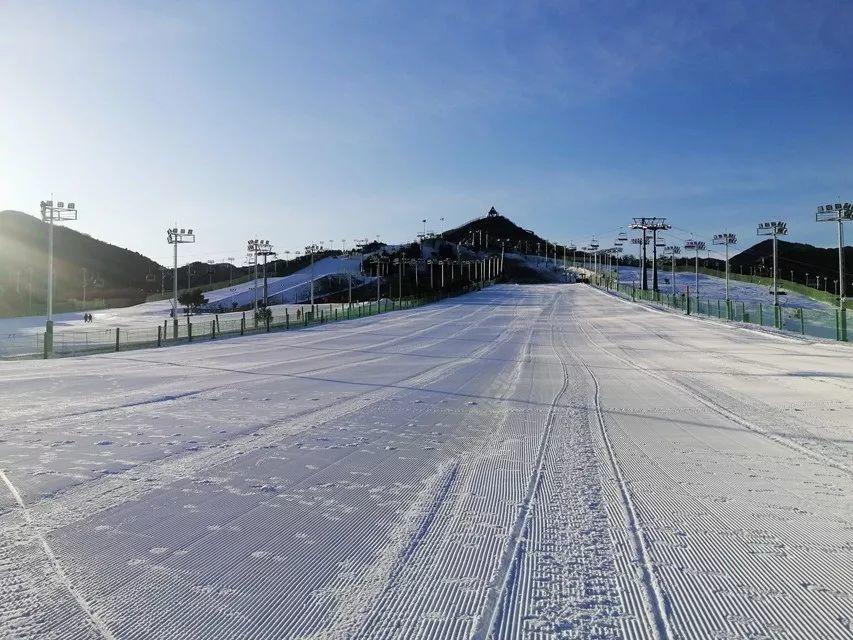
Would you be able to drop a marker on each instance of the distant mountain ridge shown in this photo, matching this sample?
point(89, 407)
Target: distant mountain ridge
point(112, 273)
point(122, 277)
point(797, 257)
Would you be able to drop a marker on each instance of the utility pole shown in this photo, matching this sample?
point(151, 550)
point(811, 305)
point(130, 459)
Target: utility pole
point(210, 264)
point(839, 213)
point(51, 213)
point(697, 246)
point(175, 237)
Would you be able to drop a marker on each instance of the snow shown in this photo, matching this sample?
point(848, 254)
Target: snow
point(287, 289)
point(523, 462)
point(714, 288)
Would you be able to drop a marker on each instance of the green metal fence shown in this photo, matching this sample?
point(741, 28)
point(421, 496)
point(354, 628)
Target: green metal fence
point(819, 323)
point(206, 327)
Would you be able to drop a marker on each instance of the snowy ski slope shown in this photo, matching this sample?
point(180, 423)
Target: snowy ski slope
point(17, 335)
point(523, 462)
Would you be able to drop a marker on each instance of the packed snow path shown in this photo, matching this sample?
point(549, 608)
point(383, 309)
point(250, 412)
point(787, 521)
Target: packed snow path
point(524, 462)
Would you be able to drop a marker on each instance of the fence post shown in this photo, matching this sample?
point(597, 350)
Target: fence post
point(336, 315)
point(189, 330)
point(286, 319)
point(213, 330)
point(243, 324)
point(159, 335)
point(760, 314)
point(118, 331)
point(842, 313)
point(268, 318)
point(802, 322)
point(217, 324)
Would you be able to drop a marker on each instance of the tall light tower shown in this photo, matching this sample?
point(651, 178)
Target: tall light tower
point(672, 251)
point(726, 239)
point(210, 265)
point(312, 249)
point(264, 248)
point(697, 246)
point(838, 212)
point(175, 237)
point(53, 212)
point(230, 270)
point(774, 229)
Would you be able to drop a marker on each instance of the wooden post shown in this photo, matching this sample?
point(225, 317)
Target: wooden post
point(159, 335)
point(243, 324)
point(213, 330)
point(189, 330)
point(118, 330)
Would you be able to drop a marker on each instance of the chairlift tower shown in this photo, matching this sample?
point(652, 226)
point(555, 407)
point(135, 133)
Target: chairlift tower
point(774, 229)
point(726, 239)
point(654, 225)
point(176, 236)
point(697, 246)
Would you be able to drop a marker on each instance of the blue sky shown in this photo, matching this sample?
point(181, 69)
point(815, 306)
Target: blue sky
point(309, 121)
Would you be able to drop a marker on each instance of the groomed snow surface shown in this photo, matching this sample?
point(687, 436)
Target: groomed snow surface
point(523, 462)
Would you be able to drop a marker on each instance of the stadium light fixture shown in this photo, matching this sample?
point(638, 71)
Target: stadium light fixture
point(672, 251)
point(838, 212)
point(725, 239)
point(311, 249)
point(774, 229)
point(176, 236)
point(51, 213)
point(697, 246)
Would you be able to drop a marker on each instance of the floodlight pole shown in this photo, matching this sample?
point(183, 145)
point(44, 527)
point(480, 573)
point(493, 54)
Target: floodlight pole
point(50, 271)
point(775, 229)
point(841, 287)
point(253, 249)
point(726, 239)
point(175, 237)
point(838, 212)
point(51, 213)
point(175, 291)
point(697, 245)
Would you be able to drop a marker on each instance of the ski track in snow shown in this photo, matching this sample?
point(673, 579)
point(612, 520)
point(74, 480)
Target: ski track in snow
point(525, 462)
